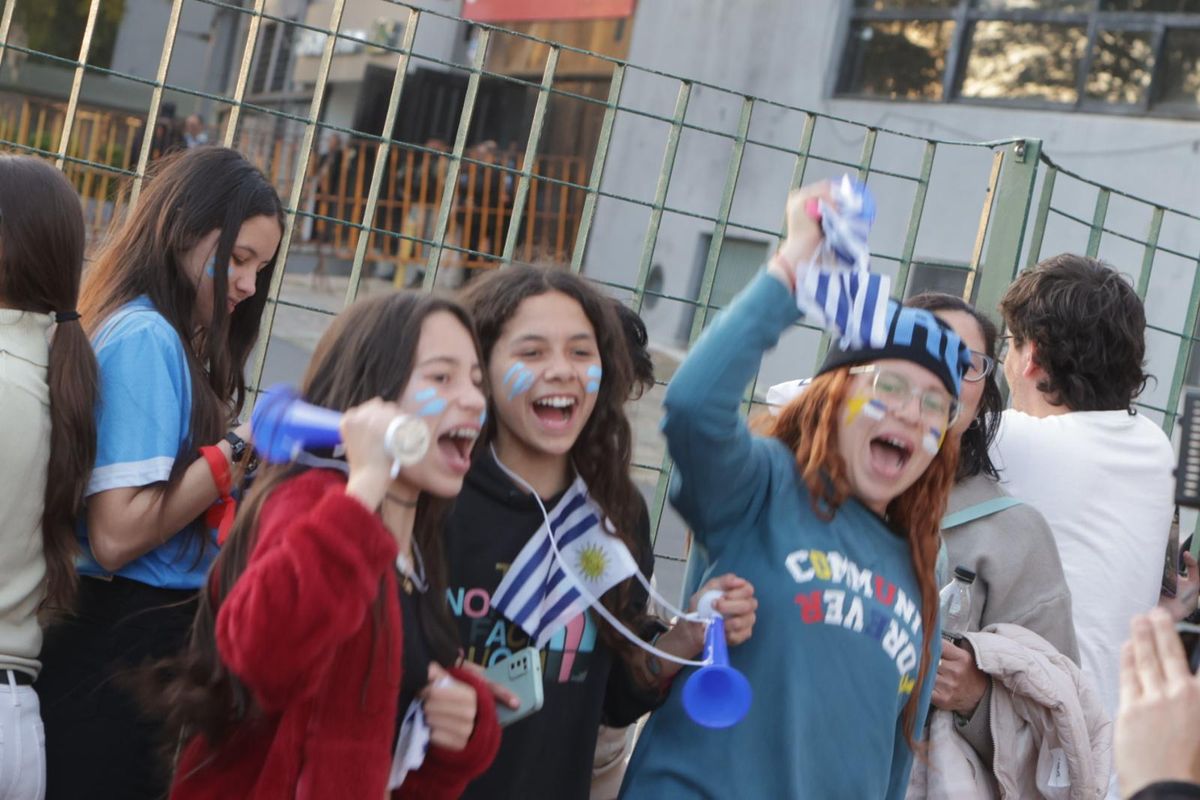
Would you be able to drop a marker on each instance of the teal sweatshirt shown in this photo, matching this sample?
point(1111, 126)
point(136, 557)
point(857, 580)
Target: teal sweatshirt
point(838, 638)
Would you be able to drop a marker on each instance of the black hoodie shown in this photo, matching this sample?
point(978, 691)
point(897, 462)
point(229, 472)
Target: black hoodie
point(550, 753)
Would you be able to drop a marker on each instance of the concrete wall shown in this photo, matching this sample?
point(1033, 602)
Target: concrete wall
point(140, 40)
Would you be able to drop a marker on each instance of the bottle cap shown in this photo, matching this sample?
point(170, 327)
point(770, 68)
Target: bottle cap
point(965, 574)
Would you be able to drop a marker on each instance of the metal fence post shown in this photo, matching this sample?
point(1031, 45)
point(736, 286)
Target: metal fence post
point(1006, 223)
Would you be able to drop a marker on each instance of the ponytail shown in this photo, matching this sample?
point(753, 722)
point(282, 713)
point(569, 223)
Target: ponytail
point(74, 386)
point(41, 260)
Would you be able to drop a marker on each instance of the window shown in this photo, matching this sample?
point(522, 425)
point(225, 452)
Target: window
point(1130, 56)
point(262, 64)
point(283, 58)
point(739, 261)
point(944, 277)
point(273, 60)
point(56, 27)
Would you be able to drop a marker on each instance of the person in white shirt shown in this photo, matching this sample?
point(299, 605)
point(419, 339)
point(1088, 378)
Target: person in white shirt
point(1073, 446)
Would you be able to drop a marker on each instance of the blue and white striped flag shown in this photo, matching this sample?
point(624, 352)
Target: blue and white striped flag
point(537, 593)
point(837, 292)
point(848, 303)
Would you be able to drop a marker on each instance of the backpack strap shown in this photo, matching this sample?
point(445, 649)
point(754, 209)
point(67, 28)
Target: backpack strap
point(978, 511)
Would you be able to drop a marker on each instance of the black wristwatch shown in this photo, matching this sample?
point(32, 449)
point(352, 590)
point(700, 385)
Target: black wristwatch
point(237, 444)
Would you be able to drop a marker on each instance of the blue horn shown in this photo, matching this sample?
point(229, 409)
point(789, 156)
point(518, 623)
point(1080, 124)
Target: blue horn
point(282, 425)
point(716, 696)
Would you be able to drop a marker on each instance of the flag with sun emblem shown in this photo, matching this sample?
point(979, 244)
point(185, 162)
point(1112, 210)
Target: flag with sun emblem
point(541, 596)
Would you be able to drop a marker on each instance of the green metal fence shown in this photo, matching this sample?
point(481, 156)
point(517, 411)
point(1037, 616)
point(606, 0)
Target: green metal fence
point(1013, 204)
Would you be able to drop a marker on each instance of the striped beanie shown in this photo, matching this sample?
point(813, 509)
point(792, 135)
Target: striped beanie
point(909, 334)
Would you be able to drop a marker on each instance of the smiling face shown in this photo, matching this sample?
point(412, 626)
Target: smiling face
point(545, 371)
point(256, 243)
point(445, 392)
point(886, 446)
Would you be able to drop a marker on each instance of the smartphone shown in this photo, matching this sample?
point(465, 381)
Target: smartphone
point(521, 674)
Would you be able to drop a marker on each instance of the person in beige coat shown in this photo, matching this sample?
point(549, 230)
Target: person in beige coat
point(1054, 737)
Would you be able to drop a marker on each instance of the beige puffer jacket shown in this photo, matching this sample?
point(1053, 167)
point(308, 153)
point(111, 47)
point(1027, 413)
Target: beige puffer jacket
point(1052, 736)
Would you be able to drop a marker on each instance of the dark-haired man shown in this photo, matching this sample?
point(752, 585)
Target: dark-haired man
point(1073, 446)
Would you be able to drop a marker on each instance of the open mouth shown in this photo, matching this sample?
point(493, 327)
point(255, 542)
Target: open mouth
point(889, 455)
point(555, 411)
point(455, 446)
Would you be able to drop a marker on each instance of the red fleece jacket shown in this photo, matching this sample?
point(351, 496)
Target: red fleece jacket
point(297, 630)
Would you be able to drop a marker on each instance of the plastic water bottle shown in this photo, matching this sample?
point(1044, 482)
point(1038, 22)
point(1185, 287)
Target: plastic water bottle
point(956, 604)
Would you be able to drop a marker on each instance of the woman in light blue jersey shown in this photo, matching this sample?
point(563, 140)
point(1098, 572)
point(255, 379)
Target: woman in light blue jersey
point(172, 304)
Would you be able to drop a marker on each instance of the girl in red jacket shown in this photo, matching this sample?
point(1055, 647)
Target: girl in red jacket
point(325, 622)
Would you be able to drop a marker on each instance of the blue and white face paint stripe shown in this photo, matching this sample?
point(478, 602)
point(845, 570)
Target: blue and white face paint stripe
point(932, 441)
point(594, 374)
point(875, 409)
point(432, 403)
point(519, 379)
point(210, 269)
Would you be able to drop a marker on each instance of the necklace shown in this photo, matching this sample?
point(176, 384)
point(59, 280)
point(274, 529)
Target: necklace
point(413, 578)
point(400, 501)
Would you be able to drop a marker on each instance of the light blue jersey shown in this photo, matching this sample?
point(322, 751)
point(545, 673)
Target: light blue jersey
point(142, 420)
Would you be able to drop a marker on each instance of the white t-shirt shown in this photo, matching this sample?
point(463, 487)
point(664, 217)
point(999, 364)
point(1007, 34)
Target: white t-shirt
point(1104, 480)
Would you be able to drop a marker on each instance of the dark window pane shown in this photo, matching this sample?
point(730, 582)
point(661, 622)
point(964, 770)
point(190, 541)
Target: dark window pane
point(901, 59)
point(1062, 6)
point(283, 60)
point(1160, 6)
point(262, 66)
point(905, 5)
point(937, 278)
point(1181, 75)
point(56, 27)
point(1026, 60)
point(1122, 65)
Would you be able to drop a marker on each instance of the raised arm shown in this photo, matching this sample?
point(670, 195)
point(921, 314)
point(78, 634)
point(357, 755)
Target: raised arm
point(719, 467)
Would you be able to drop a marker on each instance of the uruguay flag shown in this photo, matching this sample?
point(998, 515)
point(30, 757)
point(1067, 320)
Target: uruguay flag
point(837, 291)
point(540, 595)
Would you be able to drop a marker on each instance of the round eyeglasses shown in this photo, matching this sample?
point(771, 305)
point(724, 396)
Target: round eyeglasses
point(894, 391)
point(982, 365)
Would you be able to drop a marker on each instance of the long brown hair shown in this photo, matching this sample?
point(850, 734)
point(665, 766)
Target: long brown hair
point(188, 196)
point(369, 351)
point(604, 450)
point(809, 426)
point(41, 255)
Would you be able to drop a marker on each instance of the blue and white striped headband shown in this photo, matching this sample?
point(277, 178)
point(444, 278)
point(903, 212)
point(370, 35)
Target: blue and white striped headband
point(911, 334)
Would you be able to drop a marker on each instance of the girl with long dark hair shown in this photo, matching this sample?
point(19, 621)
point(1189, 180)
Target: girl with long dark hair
point(172, 303)
point(559, 359)
point(325, 616)
point(48, 435)
point(833, 515)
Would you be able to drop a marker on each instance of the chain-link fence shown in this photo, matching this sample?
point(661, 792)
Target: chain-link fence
point(654, 163)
